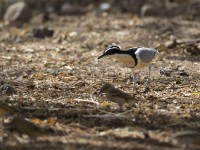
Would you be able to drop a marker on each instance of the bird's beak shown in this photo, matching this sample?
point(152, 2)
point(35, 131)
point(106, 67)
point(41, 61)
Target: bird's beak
point(101, 56)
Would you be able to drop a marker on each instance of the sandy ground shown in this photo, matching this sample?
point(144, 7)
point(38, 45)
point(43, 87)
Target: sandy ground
point(57, 79)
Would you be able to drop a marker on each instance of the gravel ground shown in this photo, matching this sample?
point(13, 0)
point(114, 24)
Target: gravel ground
point(57, 80)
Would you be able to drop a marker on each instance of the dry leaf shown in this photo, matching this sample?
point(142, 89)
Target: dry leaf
point(36, 120)
point(105, 104)
point(51, 121)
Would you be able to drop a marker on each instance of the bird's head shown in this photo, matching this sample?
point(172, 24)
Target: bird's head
point(111, 50)
point(105, 88)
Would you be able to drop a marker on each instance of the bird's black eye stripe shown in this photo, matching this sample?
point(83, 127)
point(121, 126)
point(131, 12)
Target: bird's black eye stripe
point(114, 46)
point(107, 50)
point(111, 48)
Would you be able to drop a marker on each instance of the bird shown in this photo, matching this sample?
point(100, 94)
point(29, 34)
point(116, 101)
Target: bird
point(115, 95)
point(135, 58)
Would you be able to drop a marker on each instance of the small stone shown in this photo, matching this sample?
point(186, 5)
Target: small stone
point(171, 43)
point(183, 73)
point(193, 48)
point(133, 6)
point(42, 32)
point(149, 10)
point(7, 89)
point(74, 33)
point(69, 9)
point(53, 72)
point(18, 12)
point(178, 80)
point(166, 72)
point(104, 7)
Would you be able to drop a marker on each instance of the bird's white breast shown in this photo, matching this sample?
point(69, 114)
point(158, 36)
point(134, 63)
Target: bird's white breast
point(127, 60)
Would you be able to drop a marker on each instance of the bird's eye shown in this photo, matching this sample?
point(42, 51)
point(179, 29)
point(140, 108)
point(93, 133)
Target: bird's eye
point(114, 46)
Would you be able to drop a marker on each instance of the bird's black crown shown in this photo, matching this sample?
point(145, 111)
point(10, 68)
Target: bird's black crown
point(111, 50)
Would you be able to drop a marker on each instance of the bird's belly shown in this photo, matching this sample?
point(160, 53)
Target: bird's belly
point(115, 99)
point(140, 65)
point(127, 60)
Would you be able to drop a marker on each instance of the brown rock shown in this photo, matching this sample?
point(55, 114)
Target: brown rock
point(149, 10)
point(69, 9)
point(42, 32)
point(193, 48)
point(172, 43)
point(7, 89)
point(18, 12)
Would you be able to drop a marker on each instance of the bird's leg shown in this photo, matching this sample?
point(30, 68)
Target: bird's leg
point(149, 73)
point(134, 80)
point(134, 77)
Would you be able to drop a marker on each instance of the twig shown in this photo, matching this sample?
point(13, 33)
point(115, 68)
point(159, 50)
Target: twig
point(188, 41)
point(85, 100)
point(128, 111)
point(106, 116)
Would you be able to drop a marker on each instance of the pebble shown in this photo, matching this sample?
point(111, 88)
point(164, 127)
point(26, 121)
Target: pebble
point(42, 32)
point(104, 7)
point(172, 43)
point(69, 9)
point(149, 10)
point(7, 89)
point(193, 48)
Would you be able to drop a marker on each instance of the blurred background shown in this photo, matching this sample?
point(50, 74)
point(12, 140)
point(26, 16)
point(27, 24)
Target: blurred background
point(164, 8)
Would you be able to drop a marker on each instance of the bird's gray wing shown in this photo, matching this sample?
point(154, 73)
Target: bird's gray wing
point(147, 54)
